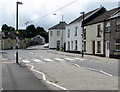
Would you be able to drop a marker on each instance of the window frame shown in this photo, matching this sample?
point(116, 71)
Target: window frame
point(117, 44)
point(98, 46)
point(98, 30)
point(76, 31)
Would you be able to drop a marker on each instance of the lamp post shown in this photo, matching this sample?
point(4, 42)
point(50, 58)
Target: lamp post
point(62, 29)
point(17, 3)
point(26, 23)
point(83, 13)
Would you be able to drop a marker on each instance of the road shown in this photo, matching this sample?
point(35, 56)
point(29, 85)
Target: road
point(35, 55)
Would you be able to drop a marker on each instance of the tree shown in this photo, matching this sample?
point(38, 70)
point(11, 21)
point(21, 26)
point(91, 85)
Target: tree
point(43, 33)
point(5, 27)
point(31, 31)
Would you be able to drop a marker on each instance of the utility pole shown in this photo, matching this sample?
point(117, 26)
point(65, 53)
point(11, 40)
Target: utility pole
point(26, 24)
point(83, 34)
point(62, 44)
point(17, 3)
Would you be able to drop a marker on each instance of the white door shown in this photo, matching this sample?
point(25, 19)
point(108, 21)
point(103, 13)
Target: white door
point(107, 48)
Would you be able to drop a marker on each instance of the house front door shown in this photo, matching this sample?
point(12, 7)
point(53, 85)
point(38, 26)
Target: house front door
point(107, 48)
point(93, 47)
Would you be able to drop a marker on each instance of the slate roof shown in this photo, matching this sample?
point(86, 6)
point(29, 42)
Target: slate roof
point(103, 16)
point(89, 14)
point(61, 25)
point(12, 36)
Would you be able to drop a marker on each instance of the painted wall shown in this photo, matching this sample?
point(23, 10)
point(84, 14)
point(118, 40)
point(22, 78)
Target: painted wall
point(54, 38)
point(72, 37)
point(91, 35)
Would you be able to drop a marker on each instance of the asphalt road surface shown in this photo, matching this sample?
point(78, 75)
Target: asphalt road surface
point(44, 55)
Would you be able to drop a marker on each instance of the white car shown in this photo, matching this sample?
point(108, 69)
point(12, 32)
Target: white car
point(46, 45)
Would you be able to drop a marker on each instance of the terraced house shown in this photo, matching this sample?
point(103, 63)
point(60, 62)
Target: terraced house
point(102, 35)
point(73, 37)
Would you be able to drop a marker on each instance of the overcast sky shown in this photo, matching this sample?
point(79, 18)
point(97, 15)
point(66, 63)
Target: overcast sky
point(40, 12)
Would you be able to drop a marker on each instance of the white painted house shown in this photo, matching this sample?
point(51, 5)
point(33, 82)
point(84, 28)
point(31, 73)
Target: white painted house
point(73, 37)
point(57, 35)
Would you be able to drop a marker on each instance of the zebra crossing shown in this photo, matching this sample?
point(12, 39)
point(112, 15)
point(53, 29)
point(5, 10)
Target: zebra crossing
point(52, 60)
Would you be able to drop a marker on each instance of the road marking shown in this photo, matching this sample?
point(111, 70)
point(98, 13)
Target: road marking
point(80, 59)
point(69, 59)
point(37, 60)
point(26, 61)
point(59, 59)
point(47, 59)
point(100, 71)
point(77, 65)
point(44, 78)
point(106, 73)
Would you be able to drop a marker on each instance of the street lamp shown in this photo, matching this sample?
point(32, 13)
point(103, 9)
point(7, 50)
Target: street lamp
point(62, 28)
point(17, 3)
point(83, 13)
point(26, 23)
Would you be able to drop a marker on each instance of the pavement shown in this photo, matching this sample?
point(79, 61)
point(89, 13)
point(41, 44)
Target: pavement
point(93, 57)
point(16, 77)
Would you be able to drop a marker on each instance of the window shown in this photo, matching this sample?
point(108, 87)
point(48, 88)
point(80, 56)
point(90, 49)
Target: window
point(107, 27)
point(98, 47)
point(84, 46)
point(98, 31)
point(58, 33)
point(68, 33)
point(118, 25)
point(68, 45)
point(117, 45)
point(76, 45)
point(58, 43)
point(71, 45)
point(51, 33)
point(76, 29)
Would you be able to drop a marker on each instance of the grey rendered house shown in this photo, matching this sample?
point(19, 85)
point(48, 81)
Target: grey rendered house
point(38, 40)
point(57, 35)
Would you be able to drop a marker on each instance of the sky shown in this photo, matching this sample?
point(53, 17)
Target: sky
point(41, 12)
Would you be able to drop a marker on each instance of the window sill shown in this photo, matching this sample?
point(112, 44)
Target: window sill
point(98, 52)
point(116, 50)
point(108, 32)
point(98, 36)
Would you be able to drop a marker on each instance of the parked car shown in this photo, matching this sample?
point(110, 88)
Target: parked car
point(46, 45)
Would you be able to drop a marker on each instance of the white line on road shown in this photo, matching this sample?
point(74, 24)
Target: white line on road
point(59, 59)
point(106, 73)
point(26, 61)
point(47, 59)
point(37, 60)
point(44, 78)
point(99, 71)
point(80, 59)
point(77, 65)
point(69, 59)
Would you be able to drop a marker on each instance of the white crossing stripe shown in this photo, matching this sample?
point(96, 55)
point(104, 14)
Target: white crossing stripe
point(80, 59)
point(47, 59)
point(59, 59)
point(69, 59)
point(37, 60)
point(26, 61)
